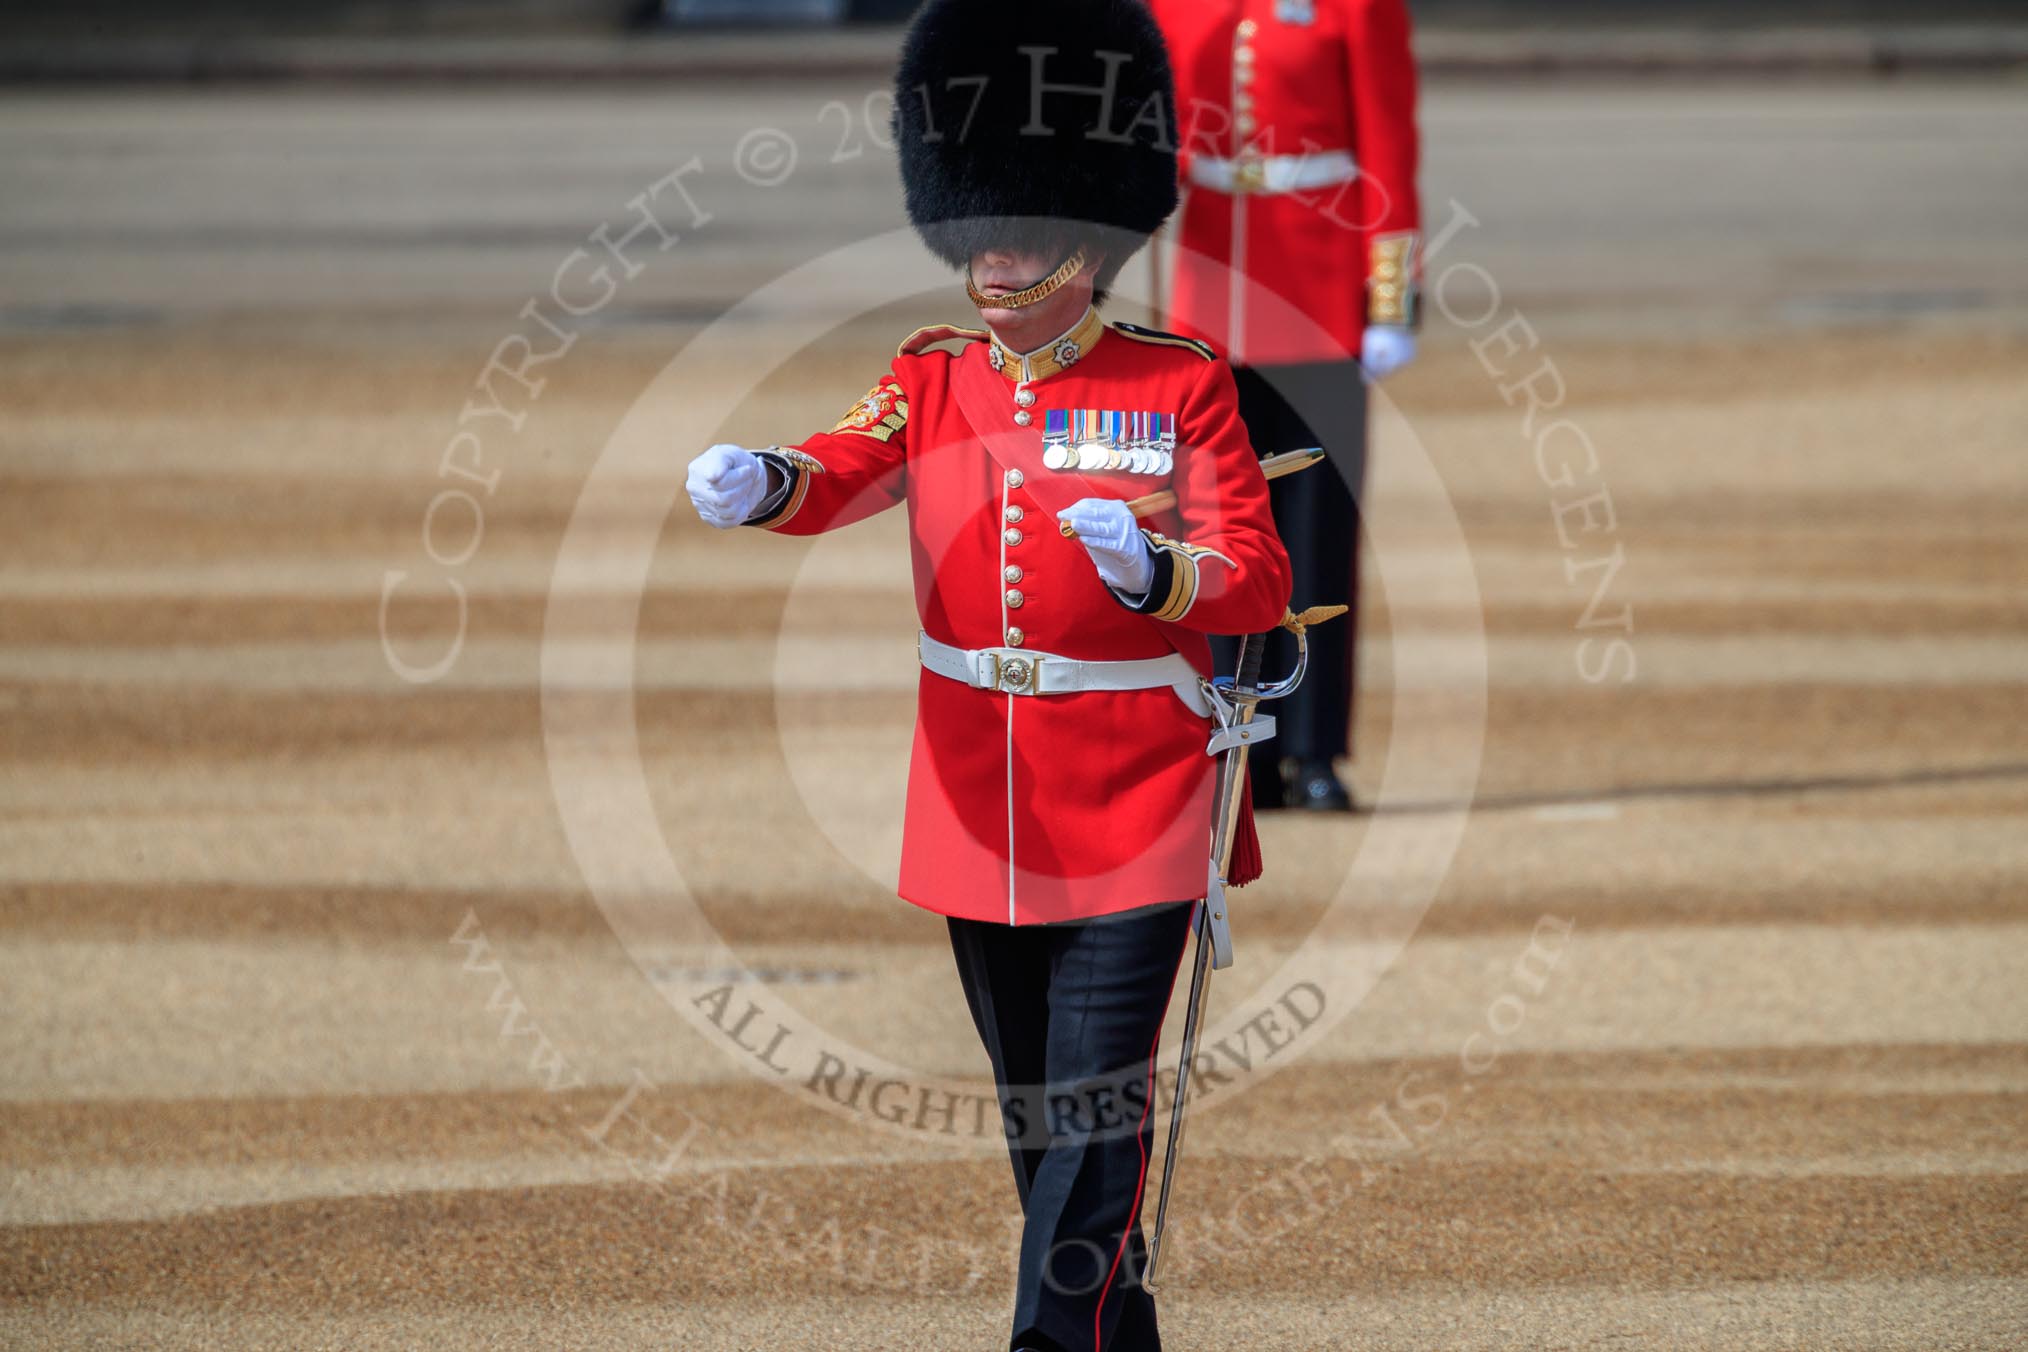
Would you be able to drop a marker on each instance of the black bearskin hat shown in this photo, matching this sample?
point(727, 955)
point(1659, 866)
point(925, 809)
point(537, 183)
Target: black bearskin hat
point(1070, 141)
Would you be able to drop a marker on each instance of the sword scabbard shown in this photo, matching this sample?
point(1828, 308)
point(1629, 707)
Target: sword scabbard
point(1216, 924)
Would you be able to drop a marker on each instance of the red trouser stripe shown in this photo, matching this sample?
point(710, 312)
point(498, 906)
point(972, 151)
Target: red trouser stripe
point(1141, 1183)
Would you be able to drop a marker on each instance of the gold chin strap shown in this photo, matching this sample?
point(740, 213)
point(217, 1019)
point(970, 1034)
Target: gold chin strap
point(1015, 300)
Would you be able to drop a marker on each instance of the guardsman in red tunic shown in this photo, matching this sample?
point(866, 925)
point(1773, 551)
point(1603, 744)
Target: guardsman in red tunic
point(1060, 795)
point(1299, 164)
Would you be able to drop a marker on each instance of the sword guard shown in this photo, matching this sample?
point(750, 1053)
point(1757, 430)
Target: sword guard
point(1260, 728)
point(1217, 923)
point(1298, 624)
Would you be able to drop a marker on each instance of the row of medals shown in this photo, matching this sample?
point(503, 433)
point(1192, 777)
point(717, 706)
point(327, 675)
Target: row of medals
point(1110, 442)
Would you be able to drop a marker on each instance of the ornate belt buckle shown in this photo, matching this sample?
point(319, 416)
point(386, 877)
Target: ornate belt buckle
point(1249, 175)
point(1015, 675)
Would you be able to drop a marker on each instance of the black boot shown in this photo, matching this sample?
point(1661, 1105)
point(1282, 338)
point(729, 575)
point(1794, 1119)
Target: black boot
point(1313, 786)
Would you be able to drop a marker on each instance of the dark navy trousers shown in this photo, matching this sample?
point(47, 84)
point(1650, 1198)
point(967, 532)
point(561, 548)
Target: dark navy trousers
point(1286, 408)
point(1071, 1016)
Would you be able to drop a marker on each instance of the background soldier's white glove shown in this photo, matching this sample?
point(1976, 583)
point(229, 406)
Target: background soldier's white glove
point(1109, 533)
point(726, 483)
point(1383, 350)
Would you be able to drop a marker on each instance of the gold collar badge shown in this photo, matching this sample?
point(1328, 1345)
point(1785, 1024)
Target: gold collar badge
point(1058, 354)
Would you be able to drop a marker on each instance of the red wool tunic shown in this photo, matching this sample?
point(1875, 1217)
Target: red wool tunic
point(1312, 84)
point(1035, 808)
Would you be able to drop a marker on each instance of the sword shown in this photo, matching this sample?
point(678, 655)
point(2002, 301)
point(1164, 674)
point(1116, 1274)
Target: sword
point(1239, 727)
point(1274, 467)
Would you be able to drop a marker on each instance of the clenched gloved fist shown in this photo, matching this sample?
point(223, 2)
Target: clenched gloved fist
point(726, 483)
point(1109, 533)
point(1383, 350)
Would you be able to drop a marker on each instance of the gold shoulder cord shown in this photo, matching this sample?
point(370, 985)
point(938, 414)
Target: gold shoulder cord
point(1015, 300)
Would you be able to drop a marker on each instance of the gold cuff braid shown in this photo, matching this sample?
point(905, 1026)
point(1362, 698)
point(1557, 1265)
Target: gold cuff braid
point(1391, 279)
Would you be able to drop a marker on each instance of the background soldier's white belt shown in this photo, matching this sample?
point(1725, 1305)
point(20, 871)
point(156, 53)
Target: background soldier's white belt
point(1274, 173)
point(1019, 671)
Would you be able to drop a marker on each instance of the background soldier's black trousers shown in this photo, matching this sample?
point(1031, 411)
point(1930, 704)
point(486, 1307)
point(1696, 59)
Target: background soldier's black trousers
point(1071, 1015)
point(1317, 514)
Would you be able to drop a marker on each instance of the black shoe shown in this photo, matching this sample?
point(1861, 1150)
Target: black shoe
point(1313, 786)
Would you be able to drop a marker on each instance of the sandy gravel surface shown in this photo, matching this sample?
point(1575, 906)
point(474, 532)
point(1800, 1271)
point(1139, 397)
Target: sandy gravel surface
point(1689, 1011)
point(1771, 1092)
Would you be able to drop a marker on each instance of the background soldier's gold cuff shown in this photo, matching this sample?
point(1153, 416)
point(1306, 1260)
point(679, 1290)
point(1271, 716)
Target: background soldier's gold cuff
point(1391, 291)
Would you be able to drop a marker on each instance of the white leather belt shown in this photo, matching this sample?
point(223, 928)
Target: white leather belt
point(1019, 671)
point(1274, 173)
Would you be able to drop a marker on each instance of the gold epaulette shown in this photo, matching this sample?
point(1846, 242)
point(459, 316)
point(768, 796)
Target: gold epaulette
point(1170, 339)
point(929, 335)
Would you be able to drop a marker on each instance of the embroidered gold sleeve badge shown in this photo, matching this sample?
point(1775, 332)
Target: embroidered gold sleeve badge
point(882, 413)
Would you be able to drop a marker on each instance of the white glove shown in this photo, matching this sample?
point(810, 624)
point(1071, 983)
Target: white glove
point(1383, 351)
point(1109, 533)
point(726, 483)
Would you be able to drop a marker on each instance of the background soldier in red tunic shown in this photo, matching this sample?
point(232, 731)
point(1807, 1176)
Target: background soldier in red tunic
point(1299, 161)
point(1060, 798)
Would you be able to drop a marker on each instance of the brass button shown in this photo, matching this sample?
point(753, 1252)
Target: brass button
point(1014, 511)
point(1012, 535)
point(1013, 478)
point(1015, 638)
point(1244, 74)
point(1012, 572)
point(1015, 598)
point(1024, 397)
point(1022, 417)
point(1248, 27)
